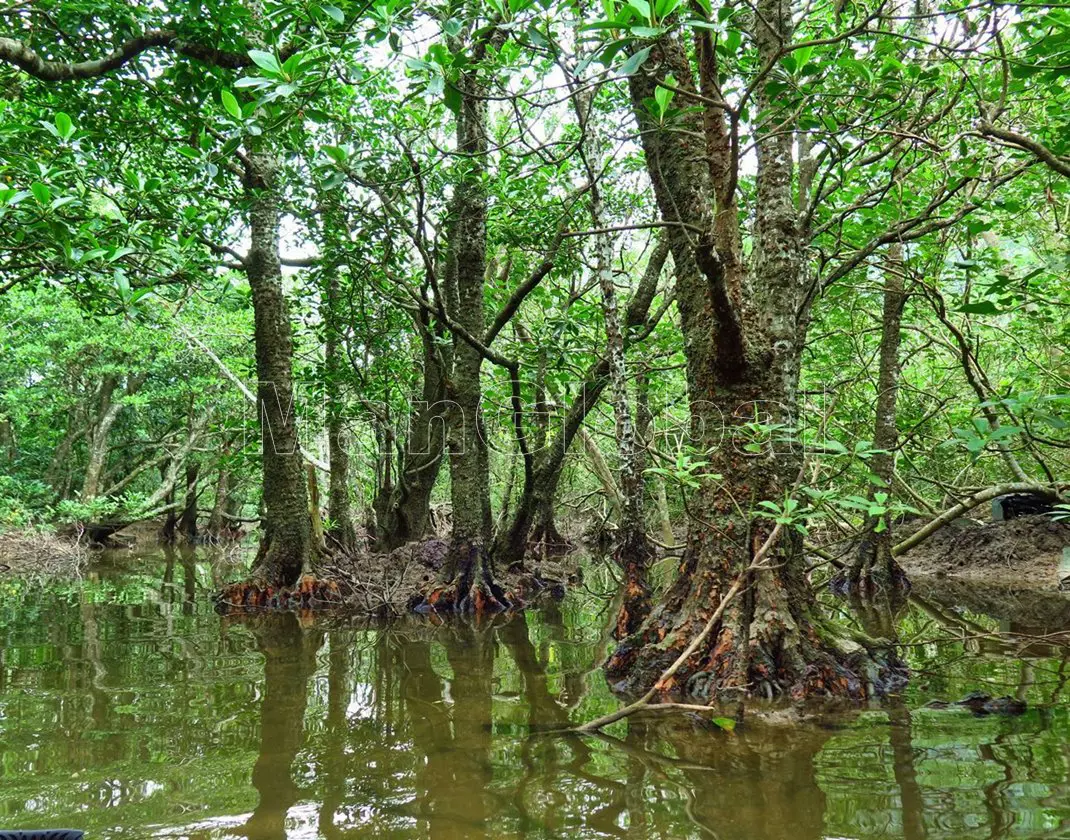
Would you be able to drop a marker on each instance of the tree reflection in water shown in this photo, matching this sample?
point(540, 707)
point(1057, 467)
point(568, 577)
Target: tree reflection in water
point(289, 663)
point(138, 712)
point(417, 732)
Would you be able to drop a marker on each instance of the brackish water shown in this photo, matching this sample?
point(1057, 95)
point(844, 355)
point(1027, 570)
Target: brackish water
point(129, 708)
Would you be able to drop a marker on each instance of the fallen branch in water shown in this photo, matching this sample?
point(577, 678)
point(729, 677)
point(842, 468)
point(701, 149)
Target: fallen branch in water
point(644, 701)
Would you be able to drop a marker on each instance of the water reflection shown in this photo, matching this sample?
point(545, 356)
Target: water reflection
point(289, 663)
point(129, 708)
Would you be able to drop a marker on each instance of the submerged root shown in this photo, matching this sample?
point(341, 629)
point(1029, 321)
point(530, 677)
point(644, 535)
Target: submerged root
point(767, 643)
point(547, 541)
point(821, 664)
point(309, 592)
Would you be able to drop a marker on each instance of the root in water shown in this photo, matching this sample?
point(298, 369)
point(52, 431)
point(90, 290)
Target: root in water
point(309, 592)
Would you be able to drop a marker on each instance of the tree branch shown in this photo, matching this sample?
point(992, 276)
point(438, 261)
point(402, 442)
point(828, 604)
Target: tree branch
point(1041, 152)
point(21, 56)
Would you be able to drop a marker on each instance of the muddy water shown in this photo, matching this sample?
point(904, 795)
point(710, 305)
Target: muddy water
point(130, 709)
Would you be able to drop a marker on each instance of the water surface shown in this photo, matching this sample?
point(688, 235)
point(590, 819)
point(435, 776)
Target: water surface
point(129, 708)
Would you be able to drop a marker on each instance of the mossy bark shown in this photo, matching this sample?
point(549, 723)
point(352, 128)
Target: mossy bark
point(744, 325)
point(285, 547)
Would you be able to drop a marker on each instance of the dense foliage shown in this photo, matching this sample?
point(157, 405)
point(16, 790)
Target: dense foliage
point(461, 255)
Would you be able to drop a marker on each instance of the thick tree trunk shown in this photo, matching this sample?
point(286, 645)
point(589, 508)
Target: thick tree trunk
point(874, 568)
point(97, 436)
point(743, 338)
point(468, 573)
point(286, 543)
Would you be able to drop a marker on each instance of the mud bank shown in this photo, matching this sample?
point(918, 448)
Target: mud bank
point(1019, 553)
point(392, 583)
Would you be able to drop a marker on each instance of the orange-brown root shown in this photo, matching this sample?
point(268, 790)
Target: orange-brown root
point(308, 593)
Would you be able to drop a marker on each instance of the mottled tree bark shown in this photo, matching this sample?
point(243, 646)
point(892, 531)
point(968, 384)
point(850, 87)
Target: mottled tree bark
point(744, 328)
point(285, 547)
point(343, 530)
point(632, 551)
point(468, 572)
point(107, 412)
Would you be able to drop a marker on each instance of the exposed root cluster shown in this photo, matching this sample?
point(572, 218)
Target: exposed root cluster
point(309, 592)
point(407, 579)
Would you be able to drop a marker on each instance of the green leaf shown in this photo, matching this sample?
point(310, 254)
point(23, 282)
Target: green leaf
point(452, 98)
point(635, 61)
point(41, 192)
point(981, 307)
point(731, 43)
point(334, 13)
point(664, 8)
point(642, 8)
point(122, 284)
point(266, 61)
point(94, 254)
point(64, 125)
point(802, 55)
point(230, 102)
point(292, 67)
point(727, 724)
point(336, 153)
point(663, 96)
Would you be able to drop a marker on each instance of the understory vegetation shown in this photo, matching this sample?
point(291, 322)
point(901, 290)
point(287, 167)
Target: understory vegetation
point(745, 295)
